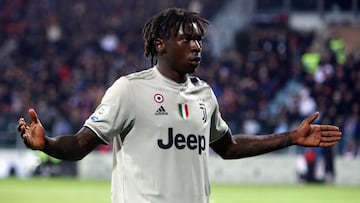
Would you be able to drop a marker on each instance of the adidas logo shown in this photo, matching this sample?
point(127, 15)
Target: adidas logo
point(161, 111)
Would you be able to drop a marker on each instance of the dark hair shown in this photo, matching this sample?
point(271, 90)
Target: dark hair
point(163, 24)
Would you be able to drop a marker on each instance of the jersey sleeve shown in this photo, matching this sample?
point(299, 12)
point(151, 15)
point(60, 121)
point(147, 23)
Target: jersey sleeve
point(114, 114)
point(218, 126)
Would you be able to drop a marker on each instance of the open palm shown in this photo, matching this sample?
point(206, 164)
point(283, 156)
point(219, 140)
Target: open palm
point(33, 134)
point(312, 135)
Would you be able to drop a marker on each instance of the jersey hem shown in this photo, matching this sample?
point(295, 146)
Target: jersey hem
point(97, 134)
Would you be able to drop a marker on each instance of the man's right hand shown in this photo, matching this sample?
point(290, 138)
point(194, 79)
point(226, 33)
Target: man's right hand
point(32, 133)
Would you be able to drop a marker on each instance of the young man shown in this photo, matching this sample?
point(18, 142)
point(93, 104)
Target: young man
point(163, 121)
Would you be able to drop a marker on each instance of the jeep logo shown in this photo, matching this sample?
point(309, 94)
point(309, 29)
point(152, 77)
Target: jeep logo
point(192, 141)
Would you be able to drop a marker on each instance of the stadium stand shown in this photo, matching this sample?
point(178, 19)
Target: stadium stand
point(60, 56)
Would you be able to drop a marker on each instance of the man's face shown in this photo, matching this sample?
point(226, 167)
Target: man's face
point(183, 51)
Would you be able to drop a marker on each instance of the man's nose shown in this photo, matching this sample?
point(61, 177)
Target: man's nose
point(196, 45)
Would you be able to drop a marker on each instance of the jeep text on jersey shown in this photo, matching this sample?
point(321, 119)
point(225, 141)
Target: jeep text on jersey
point(192, 141)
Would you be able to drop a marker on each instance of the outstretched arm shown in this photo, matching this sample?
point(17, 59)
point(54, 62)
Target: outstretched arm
point(307, 134)
point(62, 147)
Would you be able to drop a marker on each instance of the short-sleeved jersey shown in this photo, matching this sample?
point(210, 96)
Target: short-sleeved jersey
point(161, 131)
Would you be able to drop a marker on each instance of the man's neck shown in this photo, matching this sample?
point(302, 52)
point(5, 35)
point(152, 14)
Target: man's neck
point(172, 74)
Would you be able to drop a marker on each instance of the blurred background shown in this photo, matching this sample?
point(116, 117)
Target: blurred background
point(270, 63)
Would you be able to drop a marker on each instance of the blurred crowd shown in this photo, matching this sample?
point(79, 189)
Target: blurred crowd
point(60, 56)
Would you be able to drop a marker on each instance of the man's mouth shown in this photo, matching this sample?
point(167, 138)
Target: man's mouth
point(195, 59)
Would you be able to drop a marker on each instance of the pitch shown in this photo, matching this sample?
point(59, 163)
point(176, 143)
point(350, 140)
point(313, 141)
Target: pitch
point(60, 190)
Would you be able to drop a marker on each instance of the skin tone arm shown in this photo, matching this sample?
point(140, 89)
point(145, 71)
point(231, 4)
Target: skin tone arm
point(228, 147)
point(307, 134)
point(70, 148)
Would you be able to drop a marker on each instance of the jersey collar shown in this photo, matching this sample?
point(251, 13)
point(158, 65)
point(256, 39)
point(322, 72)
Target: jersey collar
point(169, 81)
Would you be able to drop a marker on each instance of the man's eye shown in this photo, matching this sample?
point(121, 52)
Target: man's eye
point(188, 39)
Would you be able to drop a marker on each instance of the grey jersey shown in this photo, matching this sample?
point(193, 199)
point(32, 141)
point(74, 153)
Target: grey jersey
point(161, 132)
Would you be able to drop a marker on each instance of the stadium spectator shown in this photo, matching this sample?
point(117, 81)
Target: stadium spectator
point(162, 121)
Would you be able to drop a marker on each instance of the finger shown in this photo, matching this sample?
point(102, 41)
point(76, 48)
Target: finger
point(331, 134)
point(21, 126)
point(25, 140)
point(312, 118)
point(21, 122)
point(22, 130)
point(329, 139)
point(329, 128)
point(327, 144)
point(33, 116)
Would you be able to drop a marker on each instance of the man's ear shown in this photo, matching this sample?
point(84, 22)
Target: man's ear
point(159, 45)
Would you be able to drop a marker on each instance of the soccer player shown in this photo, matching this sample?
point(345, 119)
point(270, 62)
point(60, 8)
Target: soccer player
point(162, 122)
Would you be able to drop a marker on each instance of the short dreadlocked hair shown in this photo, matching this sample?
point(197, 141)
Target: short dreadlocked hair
point(162, 25)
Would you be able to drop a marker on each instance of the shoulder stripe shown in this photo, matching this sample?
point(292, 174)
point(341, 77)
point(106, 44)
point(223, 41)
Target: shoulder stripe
point(144, 74)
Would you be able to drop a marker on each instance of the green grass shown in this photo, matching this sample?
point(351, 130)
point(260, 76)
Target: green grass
point(54, 190)
point(285, 194)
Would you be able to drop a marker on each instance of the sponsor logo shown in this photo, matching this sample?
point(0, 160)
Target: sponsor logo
point(180, 141)
point(94, 118)
point(161, 111)
point(99, 113)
